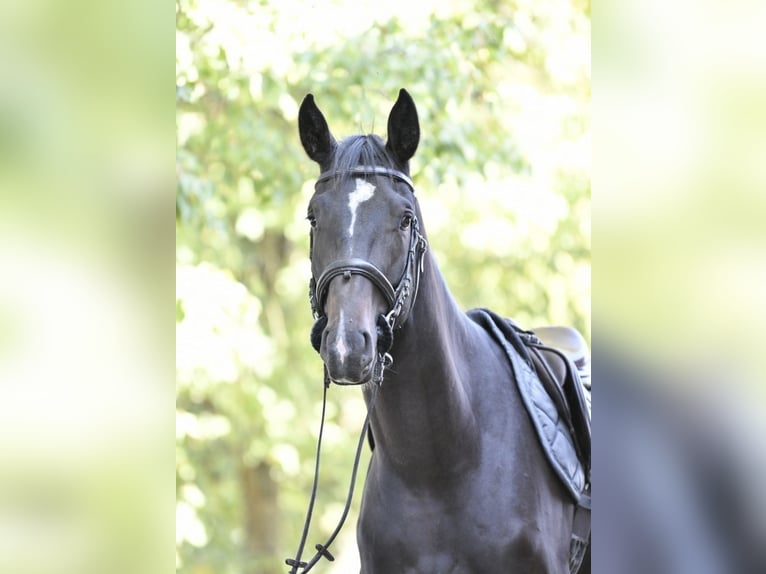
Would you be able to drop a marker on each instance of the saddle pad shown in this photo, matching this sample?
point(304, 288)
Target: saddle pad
point(552, 430)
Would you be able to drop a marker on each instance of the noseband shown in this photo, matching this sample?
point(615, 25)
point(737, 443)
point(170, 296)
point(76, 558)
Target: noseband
point(396, 296)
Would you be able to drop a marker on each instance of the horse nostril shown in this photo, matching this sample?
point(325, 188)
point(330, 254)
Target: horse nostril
point(367, 341)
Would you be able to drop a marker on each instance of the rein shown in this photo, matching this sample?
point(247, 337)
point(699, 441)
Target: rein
point(396, 297)
point(322, 549)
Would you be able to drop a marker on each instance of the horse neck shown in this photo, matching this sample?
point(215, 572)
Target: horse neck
point(423, 415)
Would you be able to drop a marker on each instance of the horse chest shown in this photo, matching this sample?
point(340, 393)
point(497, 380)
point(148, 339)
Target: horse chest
point(474, 527)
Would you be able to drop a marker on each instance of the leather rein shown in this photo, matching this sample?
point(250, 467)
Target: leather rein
point(396, 297)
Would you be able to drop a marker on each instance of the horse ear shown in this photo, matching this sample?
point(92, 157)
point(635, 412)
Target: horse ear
point(403, 128)
point(315, 135)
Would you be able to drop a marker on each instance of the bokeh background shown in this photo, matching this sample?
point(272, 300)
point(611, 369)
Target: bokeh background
point(112, 245)
point(503, 177)
point(679, 275)
point(86, 287)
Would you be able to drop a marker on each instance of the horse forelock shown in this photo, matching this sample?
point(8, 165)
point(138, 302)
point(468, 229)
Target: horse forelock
point(357, 150)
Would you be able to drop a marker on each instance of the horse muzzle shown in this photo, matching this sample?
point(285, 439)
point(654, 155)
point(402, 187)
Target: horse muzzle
point(348, 352)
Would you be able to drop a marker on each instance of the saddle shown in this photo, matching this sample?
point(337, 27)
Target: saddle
point(552, 371)
point(551, 348)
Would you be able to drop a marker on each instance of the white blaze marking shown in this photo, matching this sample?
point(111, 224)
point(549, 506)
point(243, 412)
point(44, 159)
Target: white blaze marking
point(341, 345)
point(364, 191)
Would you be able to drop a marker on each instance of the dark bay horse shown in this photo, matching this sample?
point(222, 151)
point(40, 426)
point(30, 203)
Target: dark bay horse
point(457, 482)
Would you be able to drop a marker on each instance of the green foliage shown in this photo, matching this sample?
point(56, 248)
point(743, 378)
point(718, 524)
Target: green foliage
point(502, 175)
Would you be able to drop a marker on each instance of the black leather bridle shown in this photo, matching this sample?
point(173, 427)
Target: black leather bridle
point(406, 289)
point(407, 285)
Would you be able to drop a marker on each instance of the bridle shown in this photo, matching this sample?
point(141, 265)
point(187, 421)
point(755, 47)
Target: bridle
point(406, 290)
point(396, 296)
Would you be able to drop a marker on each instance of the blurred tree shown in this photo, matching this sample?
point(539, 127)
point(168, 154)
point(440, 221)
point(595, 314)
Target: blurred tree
point(502, 172)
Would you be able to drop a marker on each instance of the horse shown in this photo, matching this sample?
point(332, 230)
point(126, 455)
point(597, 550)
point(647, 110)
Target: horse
point(458, 481)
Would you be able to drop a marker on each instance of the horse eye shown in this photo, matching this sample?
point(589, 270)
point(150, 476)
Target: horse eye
point(312, 220)
point(406, 221)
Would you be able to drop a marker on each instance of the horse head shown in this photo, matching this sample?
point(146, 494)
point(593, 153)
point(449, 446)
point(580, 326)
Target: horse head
point(366, 247)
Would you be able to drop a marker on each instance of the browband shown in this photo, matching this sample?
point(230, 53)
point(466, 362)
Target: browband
point(368, 170)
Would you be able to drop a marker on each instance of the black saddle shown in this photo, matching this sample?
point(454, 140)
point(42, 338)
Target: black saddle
point(569, 341)
point(555, 351)
point(572, 344)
